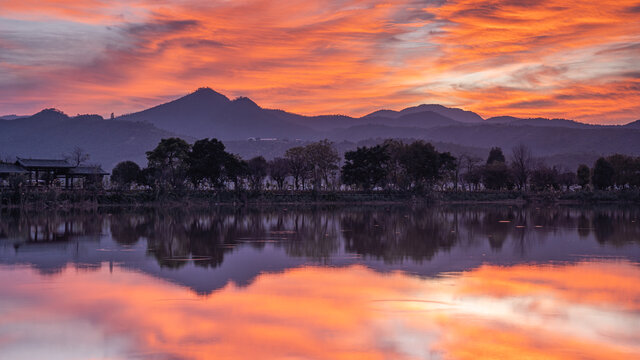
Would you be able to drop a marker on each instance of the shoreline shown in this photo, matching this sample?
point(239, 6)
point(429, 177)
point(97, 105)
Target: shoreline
point(56, 199)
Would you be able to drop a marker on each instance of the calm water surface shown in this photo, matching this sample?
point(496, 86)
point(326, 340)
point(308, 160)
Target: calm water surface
point(463, 282)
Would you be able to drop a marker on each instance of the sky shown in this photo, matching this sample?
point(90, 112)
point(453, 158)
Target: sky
point(576, 59)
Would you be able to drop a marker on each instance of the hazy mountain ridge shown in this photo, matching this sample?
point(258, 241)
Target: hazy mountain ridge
point(459, 115)
point(511, 120)
point(12, 117)
point(206, 113)
point(633, 125)
point(50, 134)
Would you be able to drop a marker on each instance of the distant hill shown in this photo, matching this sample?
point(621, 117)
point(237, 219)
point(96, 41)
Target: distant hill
point(206, 113)
point(633, 125)
point(51, 133)
point(324, 123)
point(12, 117)
point(452, 113)
point(543, 141)
point(510, 120)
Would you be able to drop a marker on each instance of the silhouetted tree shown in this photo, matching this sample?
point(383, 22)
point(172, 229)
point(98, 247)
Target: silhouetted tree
point(206, 161)
point(473, 172)
point(78, 156)
point(424, 165)
point(279, 170)
point(126, 173)
point(521, 160)
point(545, 178)
point(323, 160)
point(567, 179)
point(366, 167)
point(625, 170)
point(495, 156)
point(583, 175)
point(454, 174)
point(397, 176)
point(449, 167)
point(496, 176)
point(168, 161)
point(603, 172)
point(298, 165)
point(257, 171)
point(235, 170)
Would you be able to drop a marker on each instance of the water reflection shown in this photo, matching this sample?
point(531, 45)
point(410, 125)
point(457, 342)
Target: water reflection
point(562, 311)
point(239, 244)
point(315, 283)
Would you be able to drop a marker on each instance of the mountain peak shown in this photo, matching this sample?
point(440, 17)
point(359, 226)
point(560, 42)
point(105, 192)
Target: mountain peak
point(452, 113)
point(51, 113)
point(633, 124)
point(242, 100)
point(205, 90)
point(88, 117)
point(207, 94)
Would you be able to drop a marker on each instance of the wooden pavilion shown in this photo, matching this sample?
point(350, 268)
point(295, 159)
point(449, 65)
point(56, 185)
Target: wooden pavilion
point(46, 171)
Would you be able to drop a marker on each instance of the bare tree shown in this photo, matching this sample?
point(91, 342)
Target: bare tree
point(279, 170)
point(298, 165)
point(323, 160)
point(472, 171)
point(77, 156)
point(521, 163)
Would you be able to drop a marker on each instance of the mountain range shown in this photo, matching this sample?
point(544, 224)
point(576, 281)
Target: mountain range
point(207, 113)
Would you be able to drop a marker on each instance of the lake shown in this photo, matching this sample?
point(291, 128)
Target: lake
point(370, 282)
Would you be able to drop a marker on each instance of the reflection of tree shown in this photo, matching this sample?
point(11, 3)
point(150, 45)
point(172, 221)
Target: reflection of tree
point(584, 225)
point(603, 227)
point(126, 228)
point(314, 234)
point(394, 234)
point(616, 226)
point(175, 238)
point(45, 227)
point(496, 226)
point(398, 236)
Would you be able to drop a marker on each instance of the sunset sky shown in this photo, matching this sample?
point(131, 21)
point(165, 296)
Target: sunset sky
point(577, 59)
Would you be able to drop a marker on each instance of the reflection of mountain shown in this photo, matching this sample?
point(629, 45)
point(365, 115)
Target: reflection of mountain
point(206, 249)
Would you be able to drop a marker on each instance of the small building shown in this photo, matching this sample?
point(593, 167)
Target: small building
point(44, 169)
point(52, 171)
point(9, 170)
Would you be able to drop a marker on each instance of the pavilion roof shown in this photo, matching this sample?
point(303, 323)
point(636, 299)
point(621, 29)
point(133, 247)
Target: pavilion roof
point(11, 169)
point(44, 163)
point(87, 170)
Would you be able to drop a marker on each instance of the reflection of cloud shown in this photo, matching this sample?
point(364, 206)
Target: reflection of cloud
point(560, 311)
point(318, 56)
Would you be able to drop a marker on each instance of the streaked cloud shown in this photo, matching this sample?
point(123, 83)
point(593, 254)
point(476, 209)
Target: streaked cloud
point(573, 59)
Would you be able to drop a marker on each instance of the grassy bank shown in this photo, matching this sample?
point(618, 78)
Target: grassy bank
point(57, 198)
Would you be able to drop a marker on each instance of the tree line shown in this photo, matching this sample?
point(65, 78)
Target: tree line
point(390, 166)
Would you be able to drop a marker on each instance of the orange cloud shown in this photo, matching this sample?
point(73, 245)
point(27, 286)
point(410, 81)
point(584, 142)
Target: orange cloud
point(584, 310)
point(547, 58)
